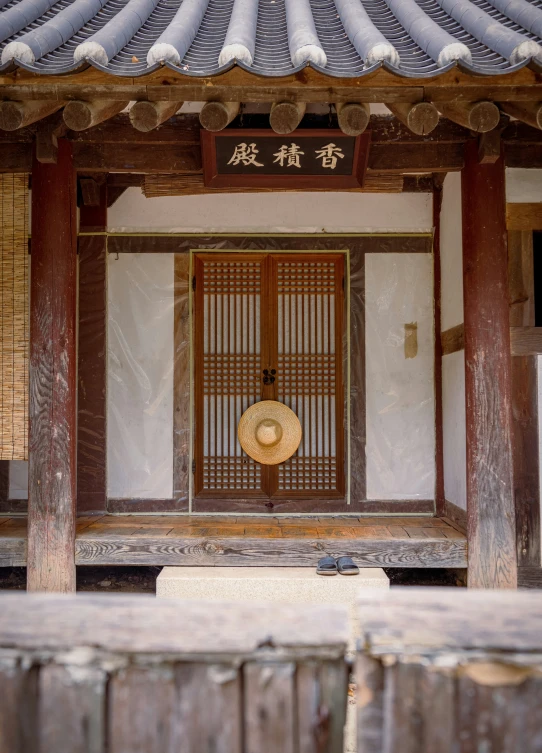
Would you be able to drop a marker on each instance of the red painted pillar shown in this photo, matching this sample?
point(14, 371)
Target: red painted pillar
point(490, 493)
point(52, 404)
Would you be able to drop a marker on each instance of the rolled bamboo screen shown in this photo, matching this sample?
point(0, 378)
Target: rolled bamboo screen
point(14, 317)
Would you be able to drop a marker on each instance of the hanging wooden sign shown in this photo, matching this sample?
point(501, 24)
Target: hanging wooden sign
point(324, 158)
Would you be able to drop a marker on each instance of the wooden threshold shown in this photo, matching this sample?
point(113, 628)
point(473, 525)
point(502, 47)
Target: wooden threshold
point(415, 541)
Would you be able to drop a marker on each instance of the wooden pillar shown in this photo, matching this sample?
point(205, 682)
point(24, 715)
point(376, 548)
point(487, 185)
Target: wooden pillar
point(91, 373)
point(490, 494)
point(52, 437)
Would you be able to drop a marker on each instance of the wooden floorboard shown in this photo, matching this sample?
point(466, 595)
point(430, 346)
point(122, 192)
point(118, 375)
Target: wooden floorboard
point(419, 542)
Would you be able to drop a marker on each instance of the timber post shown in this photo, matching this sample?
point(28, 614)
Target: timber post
point(490, 492)
point(52, 406)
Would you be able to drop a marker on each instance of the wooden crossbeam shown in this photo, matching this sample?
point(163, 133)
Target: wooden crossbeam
point(80, 115)
point(15, 115)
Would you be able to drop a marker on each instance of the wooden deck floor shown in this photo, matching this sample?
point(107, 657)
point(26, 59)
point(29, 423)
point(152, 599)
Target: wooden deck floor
point(169, 540)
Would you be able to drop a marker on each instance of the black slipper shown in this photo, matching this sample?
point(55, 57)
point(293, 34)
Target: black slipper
point(347, 566)
point(326, 566)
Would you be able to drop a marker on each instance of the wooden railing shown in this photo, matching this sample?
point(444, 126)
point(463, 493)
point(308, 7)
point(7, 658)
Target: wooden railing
point(450, 671)
point(120, 674)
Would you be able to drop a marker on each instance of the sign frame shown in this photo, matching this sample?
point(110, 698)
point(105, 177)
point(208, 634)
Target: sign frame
point(289, 181)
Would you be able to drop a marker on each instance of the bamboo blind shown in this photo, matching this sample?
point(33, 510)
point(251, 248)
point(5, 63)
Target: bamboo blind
point(14, 322)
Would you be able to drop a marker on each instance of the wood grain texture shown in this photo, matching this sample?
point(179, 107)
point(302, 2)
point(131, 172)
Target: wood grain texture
point(141, 711)
point(437, 184)
point(181, 383)
point(530, 577)
point(526, 341)
point(452, 339)
point(52, 406)
point(427, 620)
point(524, 397)
point(71, 709)
point(270, 708)
point(169, 540)
point(18, 710)
point(237, 631)
point(208, 708)
point(91, 375)
point(370, 704)
point(526, 216)
point(490, 497)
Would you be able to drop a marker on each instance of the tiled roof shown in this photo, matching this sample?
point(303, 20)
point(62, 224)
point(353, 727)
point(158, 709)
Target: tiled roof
point(342, 38)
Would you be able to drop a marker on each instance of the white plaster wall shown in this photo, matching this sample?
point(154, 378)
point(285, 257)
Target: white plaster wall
point(400, 390)
point(272, 212)
point(140, 376)
point(451, 250)
point(455, 438)
point(523, 185)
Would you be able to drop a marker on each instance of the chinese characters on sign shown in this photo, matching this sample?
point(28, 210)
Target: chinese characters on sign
point(287, 156)
point(319, 158)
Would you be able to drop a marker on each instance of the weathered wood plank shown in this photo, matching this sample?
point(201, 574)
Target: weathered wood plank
point(52, 379)
point(490, 506)
point(181, 383)
point(370, 704)
point(270, 708)
point(141, 711)
point(298, 552)
point(18, 729)
point(91, 375)
point(416, 620)
point(71, 709)
point(208, 708)
point(437, 689)
point(526, 341)
point(527, 216)
point(240, 630)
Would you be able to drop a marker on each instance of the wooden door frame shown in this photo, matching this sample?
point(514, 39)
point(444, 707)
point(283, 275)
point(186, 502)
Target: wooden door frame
point(359, 244)
point(269, 495)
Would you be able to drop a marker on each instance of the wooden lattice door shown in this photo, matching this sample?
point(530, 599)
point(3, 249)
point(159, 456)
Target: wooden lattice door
point(281, 314)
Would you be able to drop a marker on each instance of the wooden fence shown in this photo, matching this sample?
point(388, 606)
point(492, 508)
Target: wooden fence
point(139, 675)
point(450, 671)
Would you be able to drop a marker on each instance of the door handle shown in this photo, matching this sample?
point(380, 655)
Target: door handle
point(269, 376)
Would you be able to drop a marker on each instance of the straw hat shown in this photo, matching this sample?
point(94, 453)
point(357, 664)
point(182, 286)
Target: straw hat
point(269, 432)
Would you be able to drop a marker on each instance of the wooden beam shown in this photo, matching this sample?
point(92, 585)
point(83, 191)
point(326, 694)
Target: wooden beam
point(80, 115)
point(146, 116)
point(15, 158)
point(215, 116)
point(47, 134)
point(526, 217)
point(490, 494)
point(15, 115)
point(353, 117)
point(528, 112)
point(476, 116)
point(131, 158)
point(90, 192)
point(420, 118)
point(452, 340)
point(286, 116)
point(525, 396)
point(526, 341)
point(416, 158)
point(52, 432)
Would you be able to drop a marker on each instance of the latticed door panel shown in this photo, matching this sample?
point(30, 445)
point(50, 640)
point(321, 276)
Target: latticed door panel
point(309, 371)
point(228, 370)
point(268, 311)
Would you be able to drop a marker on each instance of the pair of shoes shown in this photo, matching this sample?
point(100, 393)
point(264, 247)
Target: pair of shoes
point(332, 566)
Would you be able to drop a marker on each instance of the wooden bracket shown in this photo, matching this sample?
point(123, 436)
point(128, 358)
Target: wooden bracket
point(47, 134)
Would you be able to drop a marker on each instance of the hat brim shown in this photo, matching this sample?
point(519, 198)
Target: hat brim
point(291, 432)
